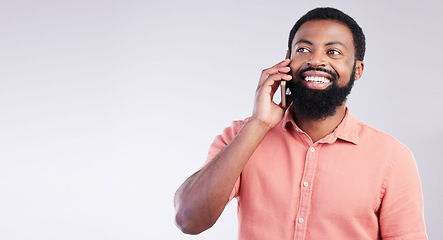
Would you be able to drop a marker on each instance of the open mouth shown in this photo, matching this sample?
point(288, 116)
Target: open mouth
point(316, 79)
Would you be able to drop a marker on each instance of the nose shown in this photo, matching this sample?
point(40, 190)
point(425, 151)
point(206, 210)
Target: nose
point(317, 59)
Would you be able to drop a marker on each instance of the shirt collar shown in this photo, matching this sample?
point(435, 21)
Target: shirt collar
point(347, 130)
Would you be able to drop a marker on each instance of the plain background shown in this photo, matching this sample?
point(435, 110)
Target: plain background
point(106, 107)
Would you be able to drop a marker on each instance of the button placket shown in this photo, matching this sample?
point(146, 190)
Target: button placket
point(306, 191)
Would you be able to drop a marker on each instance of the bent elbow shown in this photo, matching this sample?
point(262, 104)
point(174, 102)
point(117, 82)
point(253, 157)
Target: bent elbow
point(185, 224)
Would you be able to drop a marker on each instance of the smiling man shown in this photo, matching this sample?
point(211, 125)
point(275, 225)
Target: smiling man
point(309, 171)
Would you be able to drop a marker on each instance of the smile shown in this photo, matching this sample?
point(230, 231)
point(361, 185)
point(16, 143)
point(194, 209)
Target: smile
point(317, 79)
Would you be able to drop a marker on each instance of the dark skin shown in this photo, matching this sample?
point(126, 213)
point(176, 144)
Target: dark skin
point(200, 200)
point(327, 44)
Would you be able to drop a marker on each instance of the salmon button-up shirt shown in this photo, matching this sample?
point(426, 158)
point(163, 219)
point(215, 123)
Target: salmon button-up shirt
point(355, 183)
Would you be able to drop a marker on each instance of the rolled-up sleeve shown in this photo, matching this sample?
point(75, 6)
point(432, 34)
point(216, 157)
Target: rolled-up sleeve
point(401, 212)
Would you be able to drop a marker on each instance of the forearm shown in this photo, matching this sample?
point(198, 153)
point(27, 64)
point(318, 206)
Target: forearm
point(202, 197)
point(200, 200)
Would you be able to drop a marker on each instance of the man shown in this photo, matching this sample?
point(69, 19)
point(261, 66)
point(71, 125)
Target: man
point(311, 171)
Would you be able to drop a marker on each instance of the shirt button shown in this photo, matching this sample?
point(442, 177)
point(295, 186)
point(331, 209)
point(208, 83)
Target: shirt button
point(305, 184)
point(312, 149)
point(300, 220)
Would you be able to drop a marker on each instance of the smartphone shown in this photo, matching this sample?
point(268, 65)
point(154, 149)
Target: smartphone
point(283, 85)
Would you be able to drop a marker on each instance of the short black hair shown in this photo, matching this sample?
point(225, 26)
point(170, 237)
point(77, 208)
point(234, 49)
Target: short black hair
point(328, 13)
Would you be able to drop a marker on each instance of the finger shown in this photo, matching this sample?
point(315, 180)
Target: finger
point(271, 84)
point(277, 78)
point(281, 66)
point(284, 70)
point(283, 63)
point(277, 82)
point(274, 69)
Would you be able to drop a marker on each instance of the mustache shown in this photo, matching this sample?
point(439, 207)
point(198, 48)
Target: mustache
point(310, 68)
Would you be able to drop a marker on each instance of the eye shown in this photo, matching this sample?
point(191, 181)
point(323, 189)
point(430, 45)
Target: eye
point(302, 50)
point(334, 52)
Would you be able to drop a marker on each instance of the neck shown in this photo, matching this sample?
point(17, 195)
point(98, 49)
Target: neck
point(318, 129)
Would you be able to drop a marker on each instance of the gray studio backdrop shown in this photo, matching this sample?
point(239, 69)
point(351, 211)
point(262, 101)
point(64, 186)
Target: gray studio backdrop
point(107, 106)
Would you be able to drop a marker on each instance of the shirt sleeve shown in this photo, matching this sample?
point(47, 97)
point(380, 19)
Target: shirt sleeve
point(220, 142)
point(401, 212)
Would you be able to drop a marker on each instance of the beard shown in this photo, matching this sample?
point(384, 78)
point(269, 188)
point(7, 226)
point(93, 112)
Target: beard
point(319, 104)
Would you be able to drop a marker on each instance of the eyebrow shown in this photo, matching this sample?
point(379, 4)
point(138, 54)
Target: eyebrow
point(335, 43)
point(303, 41)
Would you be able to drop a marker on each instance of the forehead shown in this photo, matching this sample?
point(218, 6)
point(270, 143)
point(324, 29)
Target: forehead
point(324, 31)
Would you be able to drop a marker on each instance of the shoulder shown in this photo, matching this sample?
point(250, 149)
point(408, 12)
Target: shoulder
point(382, 146)
point(229, 133)
point(373, 135)
point(235, 127)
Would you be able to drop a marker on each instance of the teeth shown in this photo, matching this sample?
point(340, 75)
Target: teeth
point(317, 79)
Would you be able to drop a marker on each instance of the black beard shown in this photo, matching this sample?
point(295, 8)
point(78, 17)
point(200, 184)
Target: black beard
point(318, 104)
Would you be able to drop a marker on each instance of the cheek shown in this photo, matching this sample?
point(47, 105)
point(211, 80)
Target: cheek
point(344, 70)
point(295, 66)
point(344, 76)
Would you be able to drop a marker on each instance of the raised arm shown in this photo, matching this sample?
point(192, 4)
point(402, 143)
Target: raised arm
point(200, 200)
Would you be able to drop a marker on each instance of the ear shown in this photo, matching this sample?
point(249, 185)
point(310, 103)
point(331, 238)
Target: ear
point(359, 67)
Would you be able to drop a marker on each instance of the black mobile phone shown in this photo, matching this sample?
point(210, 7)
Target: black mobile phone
point(283, 86)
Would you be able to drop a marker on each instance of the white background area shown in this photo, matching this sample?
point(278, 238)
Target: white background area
point(106, 107)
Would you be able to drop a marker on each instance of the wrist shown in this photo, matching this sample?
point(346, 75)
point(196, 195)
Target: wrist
point(258, 125)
